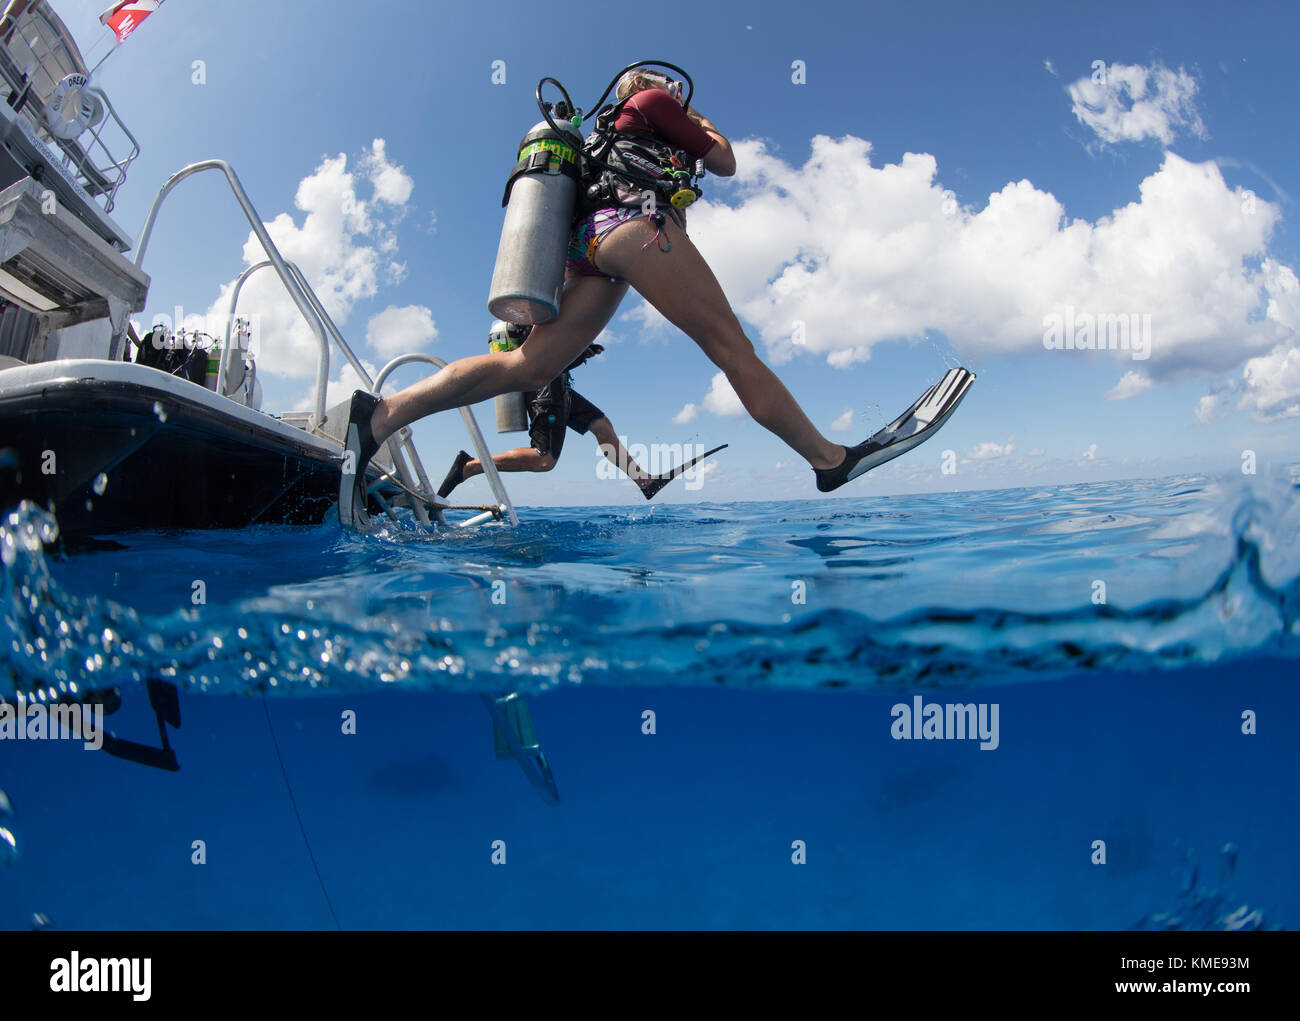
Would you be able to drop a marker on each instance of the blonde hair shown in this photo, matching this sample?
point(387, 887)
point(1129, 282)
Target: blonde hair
point(638, 81)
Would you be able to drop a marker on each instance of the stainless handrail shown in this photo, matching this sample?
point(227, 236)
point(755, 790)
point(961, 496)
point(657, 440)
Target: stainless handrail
point(322, 370)
point(330, 327)
point(323, 317)
point(322, 362)
point(273, 253)
point(471, 425)
point(393, 442)
point(407, 439)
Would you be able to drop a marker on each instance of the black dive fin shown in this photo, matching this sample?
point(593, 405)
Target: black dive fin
point(655, 483)
point(165, 702)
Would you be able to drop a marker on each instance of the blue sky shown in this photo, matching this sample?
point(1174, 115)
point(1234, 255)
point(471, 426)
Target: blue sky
point(944, 181)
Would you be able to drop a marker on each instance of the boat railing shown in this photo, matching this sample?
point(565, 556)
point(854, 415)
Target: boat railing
point(321, 324)
point(471, 426)
point(44, 75)
point(91, 159)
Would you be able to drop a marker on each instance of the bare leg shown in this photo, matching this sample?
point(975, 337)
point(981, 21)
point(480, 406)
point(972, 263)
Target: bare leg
point(610, 445)
point(521, 459)
point(680, 285)
point(587, 306)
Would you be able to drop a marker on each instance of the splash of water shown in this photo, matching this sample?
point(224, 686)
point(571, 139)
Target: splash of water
point(1204, 573)
point(1207, 908)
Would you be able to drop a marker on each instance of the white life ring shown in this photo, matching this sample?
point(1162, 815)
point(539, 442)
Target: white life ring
point(88, 107)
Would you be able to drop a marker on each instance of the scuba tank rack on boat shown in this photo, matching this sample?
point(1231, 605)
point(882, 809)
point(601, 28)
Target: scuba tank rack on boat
point(404, 483)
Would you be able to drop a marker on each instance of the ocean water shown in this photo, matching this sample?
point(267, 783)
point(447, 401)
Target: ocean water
point(724, 694)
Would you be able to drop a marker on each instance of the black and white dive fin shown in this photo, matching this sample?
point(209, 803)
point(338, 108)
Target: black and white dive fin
point(912, 428)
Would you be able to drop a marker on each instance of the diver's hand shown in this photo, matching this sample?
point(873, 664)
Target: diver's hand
point(699, 119)
point(591, 351)
point(719, 160)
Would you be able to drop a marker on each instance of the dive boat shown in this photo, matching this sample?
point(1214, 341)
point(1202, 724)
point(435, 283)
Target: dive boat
point(114, 432)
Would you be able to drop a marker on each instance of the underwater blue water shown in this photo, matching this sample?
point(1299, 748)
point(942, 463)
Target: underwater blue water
point(1121, 630)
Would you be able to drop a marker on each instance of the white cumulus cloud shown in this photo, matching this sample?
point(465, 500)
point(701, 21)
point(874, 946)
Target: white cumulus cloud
point(1129, 103)
point(1209, 408)
point(1130, 385)
point(685, 415)
point(399, 329)
point(722, 399)
point(987, 451)
point(391, 182)
point(864, 254)
point(1271, 385)
point(844, 423)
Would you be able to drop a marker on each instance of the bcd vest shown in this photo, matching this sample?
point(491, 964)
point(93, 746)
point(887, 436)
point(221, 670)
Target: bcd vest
point(636, 164)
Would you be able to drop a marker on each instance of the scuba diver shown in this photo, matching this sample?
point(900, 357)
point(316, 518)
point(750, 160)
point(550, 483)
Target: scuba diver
point(551, 409)
point(626, 227)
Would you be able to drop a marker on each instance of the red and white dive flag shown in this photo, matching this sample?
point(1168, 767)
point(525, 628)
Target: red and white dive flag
point(124, 18)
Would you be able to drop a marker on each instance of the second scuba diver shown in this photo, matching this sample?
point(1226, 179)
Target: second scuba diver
point(551, 409)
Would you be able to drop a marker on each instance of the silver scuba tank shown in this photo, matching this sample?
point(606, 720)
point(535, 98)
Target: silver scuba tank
point(512, 416)
point(539, 200)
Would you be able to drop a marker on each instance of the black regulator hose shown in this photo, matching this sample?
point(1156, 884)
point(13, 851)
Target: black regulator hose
point(690, 84)
point(546, 107)
point(591, 157)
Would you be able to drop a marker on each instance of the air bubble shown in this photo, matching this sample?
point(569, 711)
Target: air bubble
point(100, 484)
point(8, 848)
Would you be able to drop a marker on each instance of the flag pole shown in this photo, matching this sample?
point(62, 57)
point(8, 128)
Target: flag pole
point(116, 41)
point(111, 51)
point(144, 9)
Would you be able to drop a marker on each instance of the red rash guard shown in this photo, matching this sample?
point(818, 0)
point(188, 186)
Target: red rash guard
point(654, 112)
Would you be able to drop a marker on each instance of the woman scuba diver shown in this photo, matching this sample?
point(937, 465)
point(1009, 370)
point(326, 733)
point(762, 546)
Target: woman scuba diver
point(622, 239)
